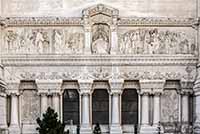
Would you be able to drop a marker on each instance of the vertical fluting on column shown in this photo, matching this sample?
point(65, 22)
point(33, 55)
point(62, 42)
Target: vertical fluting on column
point(85, 91)
point(116, 86)
point(56, 103)
point(156, 113)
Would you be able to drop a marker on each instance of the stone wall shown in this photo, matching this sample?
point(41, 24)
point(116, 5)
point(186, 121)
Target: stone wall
point(139, 8)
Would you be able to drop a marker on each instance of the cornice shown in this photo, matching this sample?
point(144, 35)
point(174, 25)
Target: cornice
point(98, 60)
point(40, 21)
point(79, 21)
point(163, 21)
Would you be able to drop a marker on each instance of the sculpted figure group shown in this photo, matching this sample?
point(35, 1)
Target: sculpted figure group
point(71, 41)
point(153, 41)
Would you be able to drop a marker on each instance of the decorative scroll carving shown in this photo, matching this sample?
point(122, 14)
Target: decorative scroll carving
point(30, 106)
point(104, 75)
point(169, 106)
point(155, 41)
point(100, 39)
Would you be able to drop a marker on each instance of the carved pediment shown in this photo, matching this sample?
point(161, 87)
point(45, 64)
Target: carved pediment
point(100, 14)
point(100, 9)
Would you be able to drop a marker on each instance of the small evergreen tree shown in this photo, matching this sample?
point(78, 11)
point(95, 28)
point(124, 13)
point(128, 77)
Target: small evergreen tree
point(97, 129)
point(49, 124)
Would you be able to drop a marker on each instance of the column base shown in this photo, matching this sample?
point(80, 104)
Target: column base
point(115, 129)
point(85, 130)
point(147, 129)
point(14, 129)
point(197, 128)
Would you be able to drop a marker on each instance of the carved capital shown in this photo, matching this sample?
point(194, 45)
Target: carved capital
point(116, 84)
point(187, 85)
point(145, 93)
point(13, 87)
point(157, 93)
point(85, 86)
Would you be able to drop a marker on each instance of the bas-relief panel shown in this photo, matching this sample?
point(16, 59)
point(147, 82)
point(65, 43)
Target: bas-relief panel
point(156, 41)
point(43, 40)
point(169, 106)
point(30, 106)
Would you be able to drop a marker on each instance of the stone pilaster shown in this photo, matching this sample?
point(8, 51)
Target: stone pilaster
point(3, 113)
point(88, 33)
point(13, 91)
point(116, 86)
point(114, 39)
point(186, 91)
point(45, 88)
point(150, 87)
point(85, 90)
point(156, 113)
point(56, 103)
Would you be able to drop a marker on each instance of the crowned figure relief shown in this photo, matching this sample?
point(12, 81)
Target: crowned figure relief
point(100, 39)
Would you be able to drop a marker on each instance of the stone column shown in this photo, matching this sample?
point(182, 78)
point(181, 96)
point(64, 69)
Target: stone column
point(85, 90)
point(13, 91)
point(48, 87)
point(156, 113)
point(44, 103)
point(150, 87)
point(14, 123)
point(186, 91)
point(3, 113)
point(116, 86)
point(56, 103)
point(145, 108)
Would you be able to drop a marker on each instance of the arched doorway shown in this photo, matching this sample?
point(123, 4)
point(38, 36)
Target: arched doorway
point(100, 107)
point(129, 110)
point(71, 107)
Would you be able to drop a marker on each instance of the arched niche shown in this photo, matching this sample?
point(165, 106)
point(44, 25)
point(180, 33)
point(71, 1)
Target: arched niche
point(101, 38)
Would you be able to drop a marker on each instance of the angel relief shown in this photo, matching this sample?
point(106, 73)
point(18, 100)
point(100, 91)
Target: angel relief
point(100, 39)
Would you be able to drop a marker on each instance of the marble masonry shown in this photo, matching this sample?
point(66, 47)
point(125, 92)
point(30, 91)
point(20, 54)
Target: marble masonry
point(133, 66)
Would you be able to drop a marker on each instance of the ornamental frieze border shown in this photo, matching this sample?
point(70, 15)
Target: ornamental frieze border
point(98, 74)
point(98, 60)
point(79, 21)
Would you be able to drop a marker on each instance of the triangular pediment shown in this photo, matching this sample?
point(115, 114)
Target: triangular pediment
point(100, 9)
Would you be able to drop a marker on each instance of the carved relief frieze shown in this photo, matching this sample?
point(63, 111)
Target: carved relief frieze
point(156, 41)
point(43, 40)
point(99, 73)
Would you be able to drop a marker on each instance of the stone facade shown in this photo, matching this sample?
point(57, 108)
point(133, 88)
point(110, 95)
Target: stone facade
point(48, 47)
